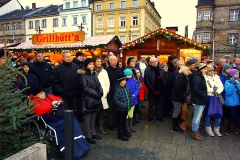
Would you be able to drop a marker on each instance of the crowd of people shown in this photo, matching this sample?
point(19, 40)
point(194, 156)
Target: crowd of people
point(118, 91)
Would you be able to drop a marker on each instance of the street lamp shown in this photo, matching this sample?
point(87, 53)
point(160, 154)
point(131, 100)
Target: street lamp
point(235, 46)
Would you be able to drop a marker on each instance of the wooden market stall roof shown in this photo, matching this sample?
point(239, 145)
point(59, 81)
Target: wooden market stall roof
point(89, 43)
point(168, 35)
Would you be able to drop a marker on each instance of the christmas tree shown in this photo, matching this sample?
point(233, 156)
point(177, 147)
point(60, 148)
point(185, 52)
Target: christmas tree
point(15, 112)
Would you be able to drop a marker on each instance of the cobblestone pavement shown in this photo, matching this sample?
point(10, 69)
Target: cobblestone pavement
point(156, 140)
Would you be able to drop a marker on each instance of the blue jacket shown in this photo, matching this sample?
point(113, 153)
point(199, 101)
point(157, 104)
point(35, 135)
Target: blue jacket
point(122, 98)
point(232, 97)
point(134, 89)
point(223, 80)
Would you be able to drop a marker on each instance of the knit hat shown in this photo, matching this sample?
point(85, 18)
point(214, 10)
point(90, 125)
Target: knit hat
point(226, 66)
point(200, 66)
point(127, 72)
point(173, 57)
point(121, 77)
point(210, 68)
point(129, 60)
point(232, 72)
point(87, 61)
point(26, 64)
point(191, 61)
point(79, 54)
point(36, 90)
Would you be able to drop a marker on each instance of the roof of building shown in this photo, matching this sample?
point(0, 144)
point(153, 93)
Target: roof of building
point(201, 2)
point(3, 2)
point(16, 14)
point(45, 11)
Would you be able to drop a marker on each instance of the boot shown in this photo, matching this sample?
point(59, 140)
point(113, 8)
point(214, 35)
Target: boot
point(180, 120)
point(230, 129)
point(136, 118)
point(200, 134)
point(195, 135)
point(176, 126)
point(121, 135)
point(130, 122)
point(101, 129)
point(128, 125)
point(216, 131)
point(126, 133)
point(208, 130)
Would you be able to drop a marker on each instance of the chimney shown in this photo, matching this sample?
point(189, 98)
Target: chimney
point(33, 5)
point(172, 29)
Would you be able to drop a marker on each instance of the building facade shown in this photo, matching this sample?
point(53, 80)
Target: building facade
point(218, 26)
point(128, 19)
point(43, 20)
point(76, 15)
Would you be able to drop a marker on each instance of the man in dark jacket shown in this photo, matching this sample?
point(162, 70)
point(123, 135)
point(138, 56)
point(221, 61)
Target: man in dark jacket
point(42, 70)
point(79, 60)
point(172, 64)
point(113, 72)
point(153, 80)
point(65, 81)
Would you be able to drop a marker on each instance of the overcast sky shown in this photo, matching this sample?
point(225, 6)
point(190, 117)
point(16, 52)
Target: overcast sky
point(173, 12)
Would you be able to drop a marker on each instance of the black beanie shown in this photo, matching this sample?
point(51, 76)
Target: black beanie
point(36, 89)
point(26, 64)
point(129, 60)
point(121, 77)
point(173, 57)
point(87, 61)
point(79, 54)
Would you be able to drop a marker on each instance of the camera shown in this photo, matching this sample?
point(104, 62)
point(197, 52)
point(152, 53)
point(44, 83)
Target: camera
point(215, 91)
point(58, 105)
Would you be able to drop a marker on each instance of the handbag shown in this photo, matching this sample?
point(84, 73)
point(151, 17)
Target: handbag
point(214, 107)
point(188, 99)
point(92, 102)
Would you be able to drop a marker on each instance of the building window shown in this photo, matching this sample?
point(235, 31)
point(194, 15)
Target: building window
point(232, 38)
point(134, 37)
point(100, 23)
point(199, 39)
point(75, 4)
point(75, 21)
point(8, 27)
point(83, 3)
point(84, 19)
point(122, 21)
point(67, 4)
point(199, 16)
point(111, 5)
point(64, 21)
point(110, 22)
point(44, 23)
point(19, 40)
point(3, 27)
point(135, 20)
point(98, 7)
point(207, 15)
point(30, 24)
point(123, 4)
point(14, 26)
point(234, 15)
point(134, 3)
point(19, 25)
point(55, 22)
point(123, 39)
point(37, 24)
point(206, 37)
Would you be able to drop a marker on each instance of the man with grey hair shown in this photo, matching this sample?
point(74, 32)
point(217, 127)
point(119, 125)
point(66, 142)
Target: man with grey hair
point(154, 81)
point(65, 81)
point(113, 72)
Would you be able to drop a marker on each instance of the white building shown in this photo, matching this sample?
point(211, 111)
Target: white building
point(7, 6)
point(75, 13)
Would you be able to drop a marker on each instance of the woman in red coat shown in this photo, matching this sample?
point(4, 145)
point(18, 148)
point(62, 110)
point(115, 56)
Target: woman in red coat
point(43, 105)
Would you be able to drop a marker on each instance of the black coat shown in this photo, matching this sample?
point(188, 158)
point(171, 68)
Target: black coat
point(31, 81)
point(149, 78)
point(179, 88)
point(79, 63)
point(43, 73)
point(113, 78)
point(91, 87)
point(199, 90)
point(65, 80)
point(167, 83)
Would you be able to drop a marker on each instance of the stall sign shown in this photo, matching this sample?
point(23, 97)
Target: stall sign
point(58, 38)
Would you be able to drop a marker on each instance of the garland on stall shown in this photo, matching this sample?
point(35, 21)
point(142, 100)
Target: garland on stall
point(170, 36)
